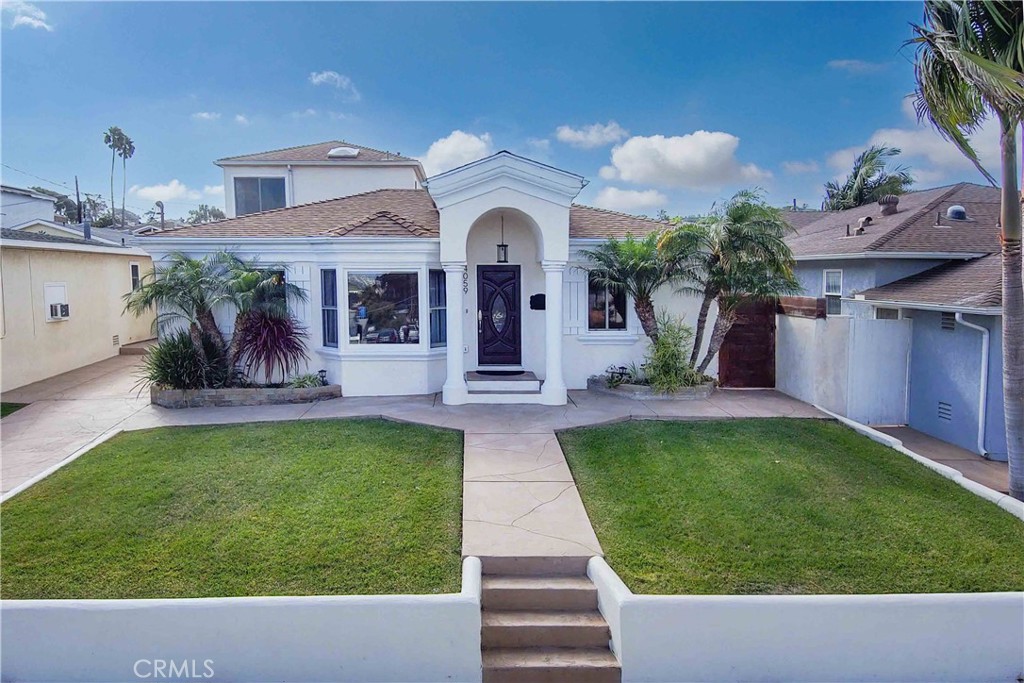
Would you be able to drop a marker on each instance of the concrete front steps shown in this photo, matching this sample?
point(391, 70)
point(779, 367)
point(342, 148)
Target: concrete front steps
point(521, 388)
point(541, 623)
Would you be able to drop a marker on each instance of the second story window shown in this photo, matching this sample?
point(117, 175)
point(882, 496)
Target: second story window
point(253, 195)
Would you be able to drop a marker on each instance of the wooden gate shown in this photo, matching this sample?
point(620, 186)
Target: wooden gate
point(747, 356)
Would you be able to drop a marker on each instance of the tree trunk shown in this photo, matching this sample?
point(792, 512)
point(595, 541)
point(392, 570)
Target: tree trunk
point(1011, 218)
point(648, 319)
point(236, 337)
point(209, 326)
point(196, 334)
point(702, 321)
point(124, 186)
point(113, 206)
point(723, 323)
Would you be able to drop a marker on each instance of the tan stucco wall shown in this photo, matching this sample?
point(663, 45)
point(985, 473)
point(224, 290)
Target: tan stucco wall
point(31, 348)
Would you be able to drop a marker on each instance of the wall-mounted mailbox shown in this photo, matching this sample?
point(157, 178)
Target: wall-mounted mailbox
point(537, 302)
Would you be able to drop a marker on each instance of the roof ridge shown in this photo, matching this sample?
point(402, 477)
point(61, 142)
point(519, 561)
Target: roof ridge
point(912, 218)
point(619, 213)
point(316, 144)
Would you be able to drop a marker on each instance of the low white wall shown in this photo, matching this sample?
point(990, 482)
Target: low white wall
point(855, 367)
point(336, 638)
point(931, 637)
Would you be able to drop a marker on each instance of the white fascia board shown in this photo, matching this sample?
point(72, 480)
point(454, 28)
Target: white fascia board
point(325, 164)
point(68, 246)
point(866, 255)
point(972, 310)
point(504, 170)
point(316, 249)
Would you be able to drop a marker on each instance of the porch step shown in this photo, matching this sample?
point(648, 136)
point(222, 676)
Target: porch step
point(525, 382)
point(522, 629)
point(551, 665)
point(137, 348)
point(535, 565)
point(552, 593)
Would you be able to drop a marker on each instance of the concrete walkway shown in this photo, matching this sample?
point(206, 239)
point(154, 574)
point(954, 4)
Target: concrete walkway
point(990, 473)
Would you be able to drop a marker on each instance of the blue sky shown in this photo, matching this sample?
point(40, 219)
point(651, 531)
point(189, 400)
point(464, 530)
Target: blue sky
point(659, 105)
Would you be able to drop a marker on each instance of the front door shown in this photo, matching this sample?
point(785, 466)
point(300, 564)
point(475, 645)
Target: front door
point(497, 316)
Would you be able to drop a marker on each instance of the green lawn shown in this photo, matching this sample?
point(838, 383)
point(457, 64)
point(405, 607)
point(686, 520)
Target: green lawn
point(8, 408)
point(783, 506)
point(298, 508)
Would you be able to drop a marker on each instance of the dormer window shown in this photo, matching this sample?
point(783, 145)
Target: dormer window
point(253, 195)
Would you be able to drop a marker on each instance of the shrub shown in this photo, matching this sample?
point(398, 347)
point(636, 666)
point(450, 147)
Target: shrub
point(270, 343)
point(174, 362)
point(667, 368)
point(308, 381)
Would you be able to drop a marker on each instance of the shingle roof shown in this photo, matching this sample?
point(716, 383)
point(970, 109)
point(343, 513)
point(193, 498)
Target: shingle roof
point(26, 236)
point(342, 217)
point(957, 284)
point(318, 152)
point(590, 222)
point(914, 228)
point(801, 219)
point(390, 213)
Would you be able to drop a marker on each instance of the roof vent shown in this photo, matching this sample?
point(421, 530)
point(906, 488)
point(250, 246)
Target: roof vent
point(956, 213)
point(343, 153)
point(889, 203)
point(862, 224)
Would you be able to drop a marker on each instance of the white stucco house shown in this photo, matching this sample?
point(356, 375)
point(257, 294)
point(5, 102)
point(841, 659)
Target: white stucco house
point(468, 283)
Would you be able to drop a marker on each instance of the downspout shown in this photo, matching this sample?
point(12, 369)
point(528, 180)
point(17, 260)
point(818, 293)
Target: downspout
point(290, 200)
point(983, 392)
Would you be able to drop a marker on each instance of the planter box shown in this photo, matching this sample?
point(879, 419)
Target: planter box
point(639, 392)
point(206, 398)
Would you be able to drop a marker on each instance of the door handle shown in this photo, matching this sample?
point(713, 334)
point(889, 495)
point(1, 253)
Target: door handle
point(479, 321)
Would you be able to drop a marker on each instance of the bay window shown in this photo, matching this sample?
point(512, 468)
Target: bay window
point(329, 306)
point(383, 308)
point(438, 309)
point(606, 307)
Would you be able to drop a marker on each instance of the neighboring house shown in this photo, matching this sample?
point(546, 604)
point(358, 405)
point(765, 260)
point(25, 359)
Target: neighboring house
point(312, 173)
point(102, 235)
point(408, 295)
point(61, 305)
point(912, 295)
point(19, 206)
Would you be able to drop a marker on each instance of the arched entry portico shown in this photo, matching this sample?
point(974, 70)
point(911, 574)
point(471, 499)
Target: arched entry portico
point(533, 201)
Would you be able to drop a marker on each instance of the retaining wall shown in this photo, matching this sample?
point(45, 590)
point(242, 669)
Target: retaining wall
point(256, 396)
point(331, 638)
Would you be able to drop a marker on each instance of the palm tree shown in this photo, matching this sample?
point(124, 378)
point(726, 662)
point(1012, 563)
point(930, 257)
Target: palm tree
point(186, 290)
point(635, 266)
point(969, 67)
point(868, 181)
point(737, 252)
point(114, 139)
point(126, 151)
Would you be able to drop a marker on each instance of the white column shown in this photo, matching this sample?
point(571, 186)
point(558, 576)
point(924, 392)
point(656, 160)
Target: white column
point(455, 391)
point(553, 389)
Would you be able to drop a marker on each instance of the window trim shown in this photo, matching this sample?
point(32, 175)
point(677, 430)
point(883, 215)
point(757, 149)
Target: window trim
point(259, 179)
point(63, 301)
point(135, 274)
point(836, 296)
point(421, 292)
point(621, 331)
point(443, 307)
point(324, 308)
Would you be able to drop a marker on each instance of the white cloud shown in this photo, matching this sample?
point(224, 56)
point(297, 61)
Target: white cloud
point(608, 173)
point(539, 149)
point(304, 114)
point(174, 190)
point(213, 190)
point(931, 159)
point(594, 135)
point(856, 66)
point(702, 159)
point(206, 116)
point(629, 200)
point(340, 81)
point(25, 14)
point(242, 119)
point(795, 167)
point(455, 150)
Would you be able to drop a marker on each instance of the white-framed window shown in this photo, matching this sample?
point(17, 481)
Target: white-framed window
point(55, 299)
point(438, 296)
point(253, 195)
point(833, 291)
point(606, 307)
point(882, 313)
point(136, 275)
point(329, 306)
point(383, 307)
